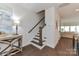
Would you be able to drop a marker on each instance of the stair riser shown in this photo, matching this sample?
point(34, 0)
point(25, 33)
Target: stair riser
point(37, 43)
point(37, 36)
point(38, 40)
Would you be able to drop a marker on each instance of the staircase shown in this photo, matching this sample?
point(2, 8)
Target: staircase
point(38, 40)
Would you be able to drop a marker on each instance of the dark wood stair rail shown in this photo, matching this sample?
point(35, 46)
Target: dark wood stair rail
point(36, 24)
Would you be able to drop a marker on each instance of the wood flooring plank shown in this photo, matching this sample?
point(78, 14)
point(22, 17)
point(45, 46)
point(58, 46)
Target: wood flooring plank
point(63, 48)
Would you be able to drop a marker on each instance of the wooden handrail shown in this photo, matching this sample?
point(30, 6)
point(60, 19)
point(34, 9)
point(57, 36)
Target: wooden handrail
point(41, 11)
point(36, 24)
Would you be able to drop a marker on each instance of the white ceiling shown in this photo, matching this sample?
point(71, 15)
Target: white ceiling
point(36, 7)
point(69, 10)
point(19, 9)
point(65, 9)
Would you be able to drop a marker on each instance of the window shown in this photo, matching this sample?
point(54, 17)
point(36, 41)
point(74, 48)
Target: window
point(69, 28)
point(5, 22)
point(66, 28)
point(72, 28)
point(62, 28)
point(77, 27)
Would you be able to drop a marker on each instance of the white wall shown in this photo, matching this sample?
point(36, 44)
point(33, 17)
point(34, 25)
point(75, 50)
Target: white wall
point(74, 20)
point(52, 33)
point(27, 23)
point(27, 20)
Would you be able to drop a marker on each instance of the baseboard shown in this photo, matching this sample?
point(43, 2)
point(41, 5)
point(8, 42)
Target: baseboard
point(39, 47)
point(49, 46)
point(53, 46)
point(57, 42)
point(26, 44)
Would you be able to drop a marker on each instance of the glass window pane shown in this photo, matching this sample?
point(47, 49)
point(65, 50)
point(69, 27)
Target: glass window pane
point(72, 28)
point(77, 27)
point(67, 28)
point(62, 28)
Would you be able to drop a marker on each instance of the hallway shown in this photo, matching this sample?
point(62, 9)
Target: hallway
point(63, 48)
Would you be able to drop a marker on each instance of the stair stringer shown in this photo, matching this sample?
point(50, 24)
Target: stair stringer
point(39, 47)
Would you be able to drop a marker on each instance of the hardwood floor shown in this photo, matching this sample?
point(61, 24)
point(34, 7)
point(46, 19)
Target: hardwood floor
point(63, 48)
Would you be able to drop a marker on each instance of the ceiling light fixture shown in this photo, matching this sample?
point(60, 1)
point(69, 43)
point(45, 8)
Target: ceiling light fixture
point(14, 17)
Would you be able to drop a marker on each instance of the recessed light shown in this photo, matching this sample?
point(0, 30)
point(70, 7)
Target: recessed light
point(76, 9)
